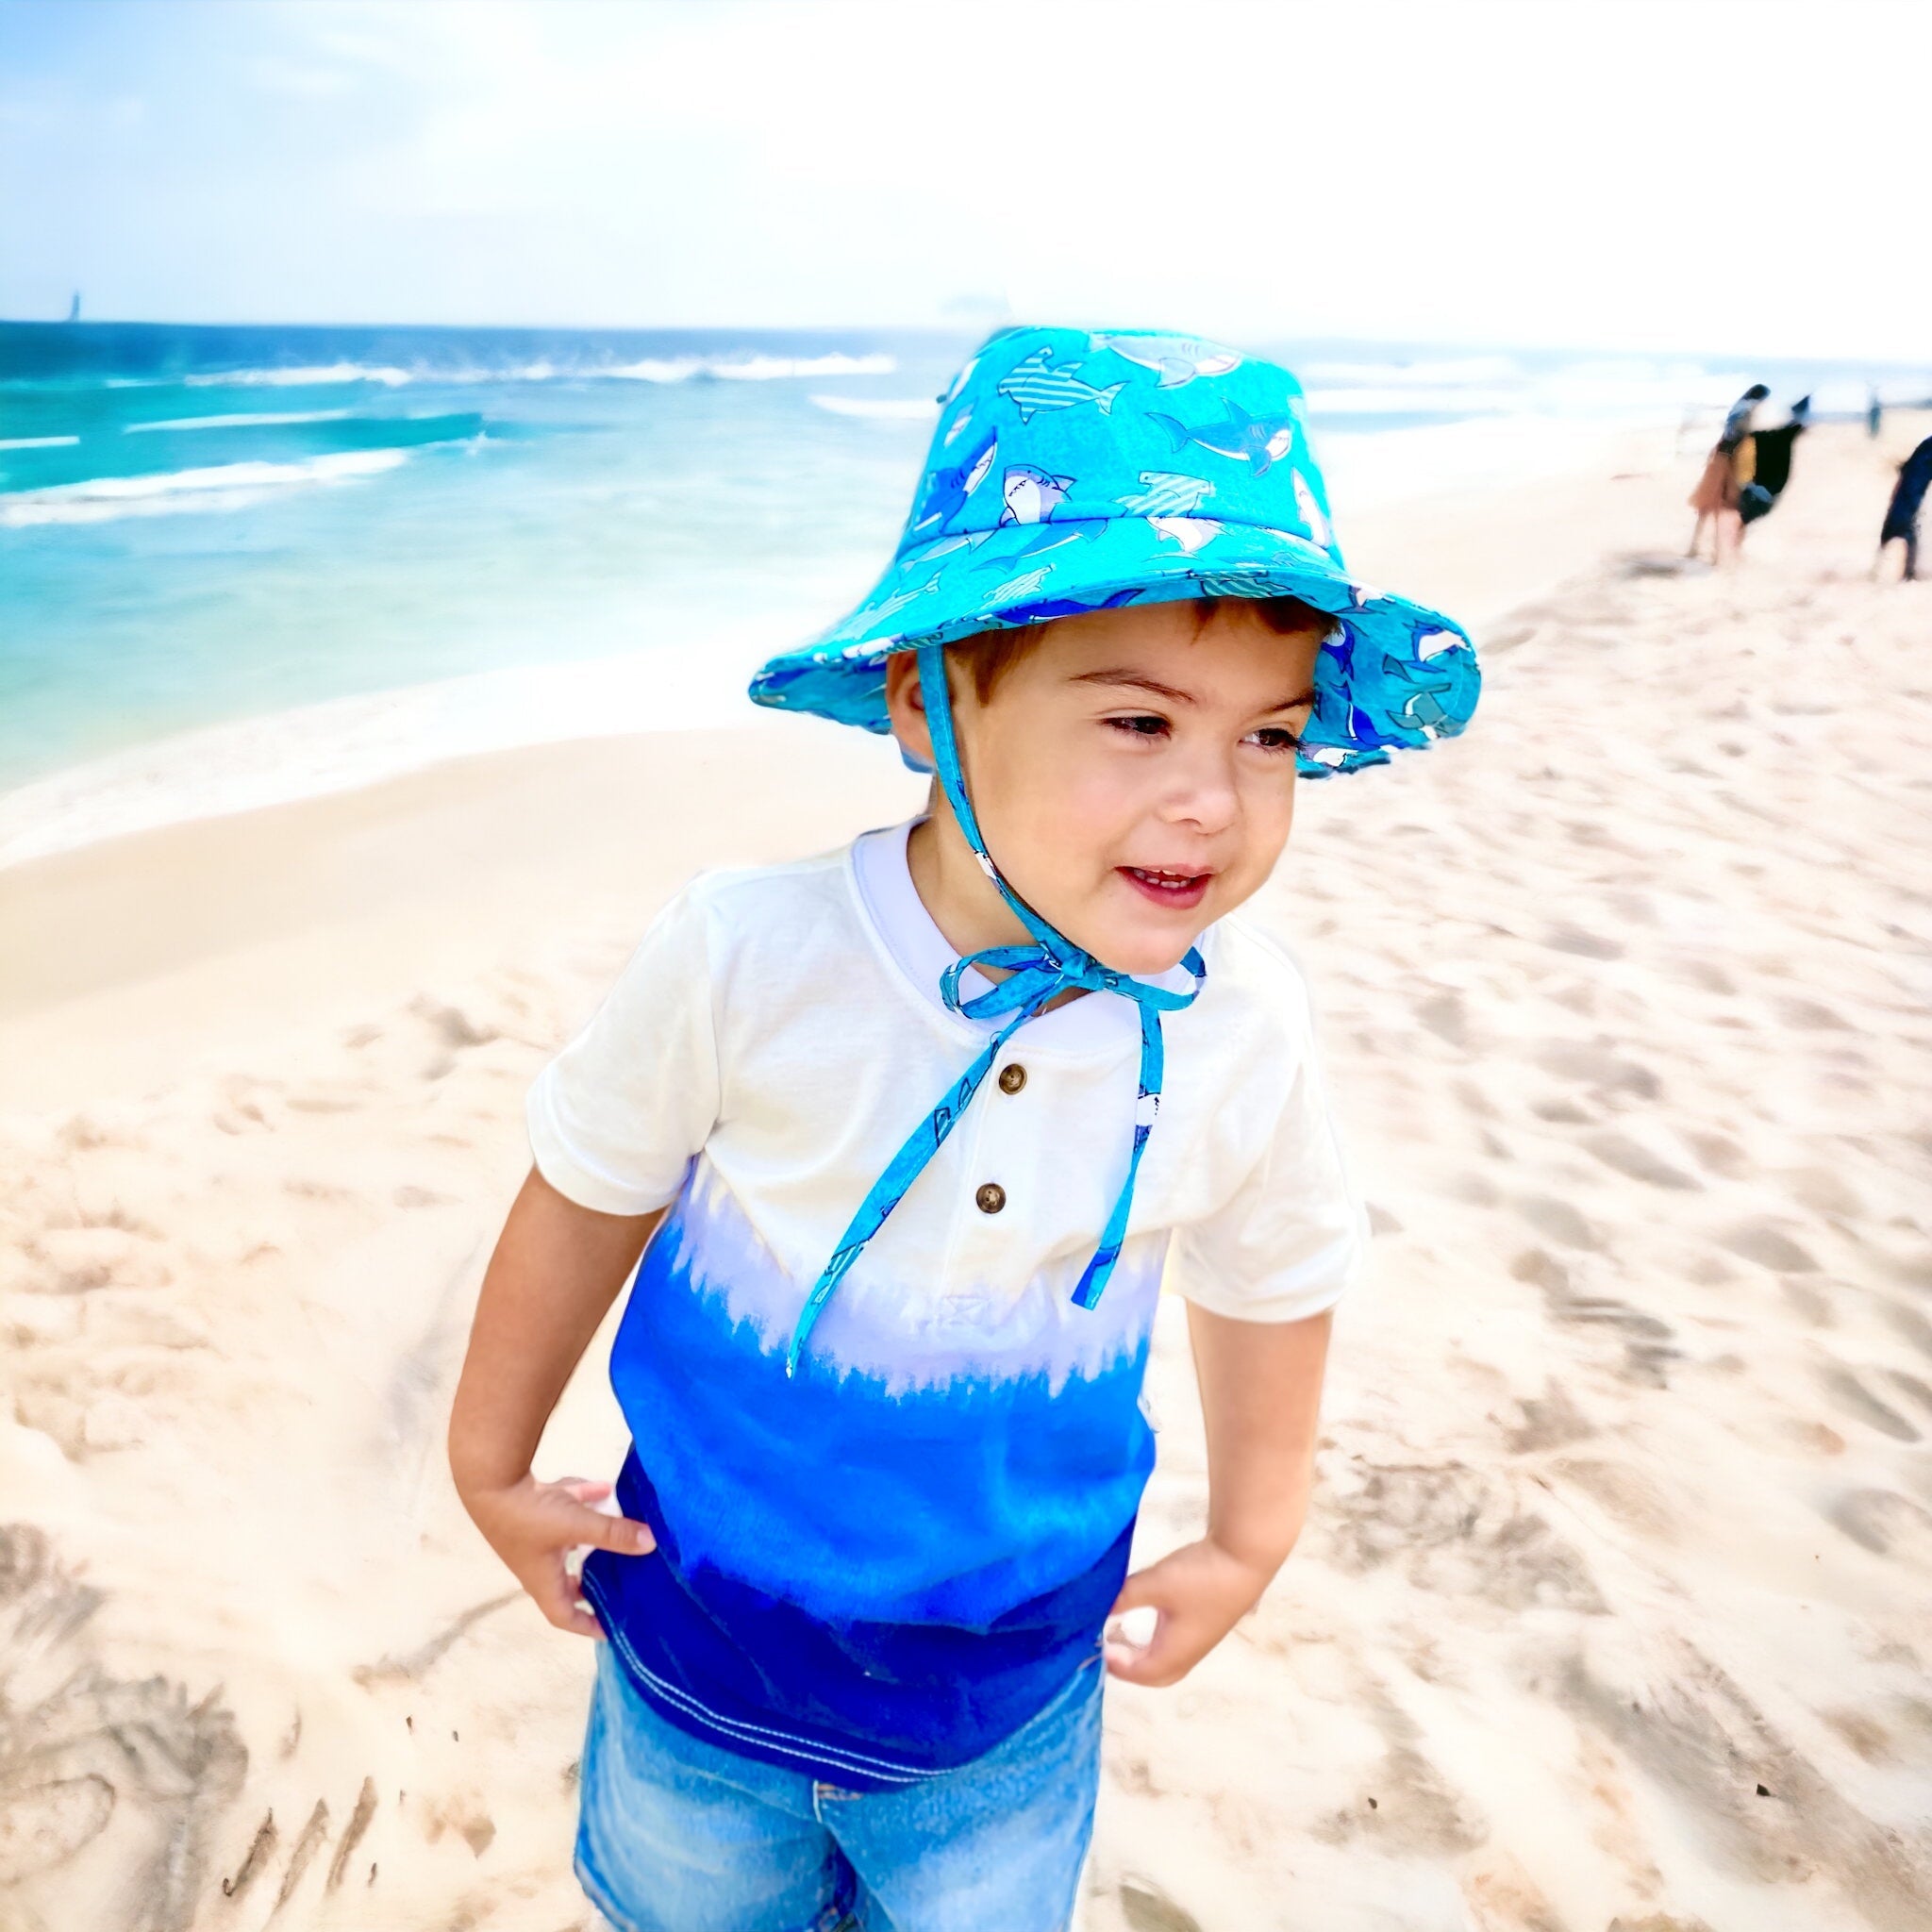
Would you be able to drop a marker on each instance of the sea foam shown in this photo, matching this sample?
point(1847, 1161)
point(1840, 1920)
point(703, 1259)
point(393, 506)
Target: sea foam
point(220, 486)
point(248, 420)
point(663, 369)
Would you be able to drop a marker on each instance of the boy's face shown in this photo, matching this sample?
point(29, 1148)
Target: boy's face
point(1134, 770)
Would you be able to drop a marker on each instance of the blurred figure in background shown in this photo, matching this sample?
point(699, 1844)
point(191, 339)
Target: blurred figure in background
point(1901, 523)
point(1771, 465)
point(1875, 412)
point(1726, 471)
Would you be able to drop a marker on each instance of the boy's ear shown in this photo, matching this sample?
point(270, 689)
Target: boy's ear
point(906, 708)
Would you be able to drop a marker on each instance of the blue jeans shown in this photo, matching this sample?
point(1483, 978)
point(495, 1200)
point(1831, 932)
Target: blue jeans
point(677, 1835)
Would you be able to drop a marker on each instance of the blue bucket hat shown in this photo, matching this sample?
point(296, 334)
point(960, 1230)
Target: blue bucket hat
point(1075, 471)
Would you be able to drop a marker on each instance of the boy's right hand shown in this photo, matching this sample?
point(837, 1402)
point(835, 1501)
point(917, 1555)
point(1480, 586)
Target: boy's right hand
point(534, 1527)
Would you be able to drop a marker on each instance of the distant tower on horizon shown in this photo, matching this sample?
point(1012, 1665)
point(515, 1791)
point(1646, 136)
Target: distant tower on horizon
point(74, 308)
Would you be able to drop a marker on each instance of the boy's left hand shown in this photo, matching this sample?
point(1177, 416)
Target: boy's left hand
point(1199, 1593)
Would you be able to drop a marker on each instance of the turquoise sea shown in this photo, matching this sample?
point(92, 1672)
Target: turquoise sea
point(204, 525)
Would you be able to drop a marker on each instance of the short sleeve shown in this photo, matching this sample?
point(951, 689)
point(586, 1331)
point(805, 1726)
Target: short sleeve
point(1291, 1237)
point(616, 1117)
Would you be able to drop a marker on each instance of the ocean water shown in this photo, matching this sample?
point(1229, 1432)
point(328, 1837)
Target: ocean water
point(241, 562)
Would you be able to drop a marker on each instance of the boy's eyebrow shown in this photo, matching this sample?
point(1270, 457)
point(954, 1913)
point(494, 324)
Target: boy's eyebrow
point(1167, 690)
point(1136, 680)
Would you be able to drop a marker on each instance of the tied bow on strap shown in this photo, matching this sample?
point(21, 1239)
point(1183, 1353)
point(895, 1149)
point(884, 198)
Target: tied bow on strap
point(1035, 976)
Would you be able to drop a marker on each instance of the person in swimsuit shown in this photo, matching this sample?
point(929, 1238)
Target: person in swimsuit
point(1726, 471)
point(1901, 523)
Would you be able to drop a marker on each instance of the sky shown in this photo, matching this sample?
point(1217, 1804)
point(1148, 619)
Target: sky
point(1690, 174)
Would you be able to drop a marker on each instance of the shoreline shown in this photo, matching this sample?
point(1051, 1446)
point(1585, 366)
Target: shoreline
point(347, 744)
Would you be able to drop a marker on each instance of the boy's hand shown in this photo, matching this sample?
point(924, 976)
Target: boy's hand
point(534, 1527)
point(1199, 1593)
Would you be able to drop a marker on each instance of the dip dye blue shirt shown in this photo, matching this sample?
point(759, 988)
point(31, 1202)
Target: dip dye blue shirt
point(878, 1569)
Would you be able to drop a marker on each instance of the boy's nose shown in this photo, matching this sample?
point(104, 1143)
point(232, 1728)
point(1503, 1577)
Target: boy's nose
point(1204, 795)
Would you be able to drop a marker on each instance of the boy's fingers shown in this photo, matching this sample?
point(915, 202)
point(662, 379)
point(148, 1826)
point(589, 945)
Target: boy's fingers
point(561, 1608)
point(1137, 1593)
point(555, 1591)
point(582, 1490)
point(1160, 1661)
point(618, 1532)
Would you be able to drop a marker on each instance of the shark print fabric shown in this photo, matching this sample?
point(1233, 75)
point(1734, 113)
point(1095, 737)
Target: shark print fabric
point(1164, 467)
point(878, 1564)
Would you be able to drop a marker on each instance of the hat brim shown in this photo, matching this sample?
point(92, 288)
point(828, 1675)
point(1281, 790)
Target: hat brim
point(1393, 674)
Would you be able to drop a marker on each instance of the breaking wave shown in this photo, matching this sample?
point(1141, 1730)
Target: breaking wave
point(220, 486)
point(264, 420)
point(728, 368)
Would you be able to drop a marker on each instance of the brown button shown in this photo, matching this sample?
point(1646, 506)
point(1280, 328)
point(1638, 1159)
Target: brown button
point(991, 1198)
point(1012, 1077)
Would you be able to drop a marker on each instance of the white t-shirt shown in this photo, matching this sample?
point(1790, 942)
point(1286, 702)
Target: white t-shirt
point(962, 1450)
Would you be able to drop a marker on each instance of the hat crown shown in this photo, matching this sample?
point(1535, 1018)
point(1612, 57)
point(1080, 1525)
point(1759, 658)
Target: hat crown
point(1077, 426)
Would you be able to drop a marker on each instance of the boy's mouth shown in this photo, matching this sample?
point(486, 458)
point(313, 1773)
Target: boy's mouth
point(1176, 891)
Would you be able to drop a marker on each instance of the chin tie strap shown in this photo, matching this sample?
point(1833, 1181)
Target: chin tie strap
point(1036, 975)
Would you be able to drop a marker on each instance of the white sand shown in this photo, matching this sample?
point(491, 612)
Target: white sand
point(1624, 1508)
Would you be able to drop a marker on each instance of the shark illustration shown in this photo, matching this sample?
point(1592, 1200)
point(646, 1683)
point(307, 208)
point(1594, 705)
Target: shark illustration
point(946, 495)
point(1165, 493)
point(1179, 358)
point(1038, 541)
point(1021, 586)
point(1031, 494)
point(958, 382)
point(1065, 607)
point(1260, 441)
point(1311, 512)
point(891, 606)
point(1040, 383)
point(1190, 533)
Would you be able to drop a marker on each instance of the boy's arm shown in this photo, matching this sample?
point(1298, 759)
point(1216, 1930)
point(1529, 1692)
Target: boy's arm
point(1261, 1394)
point(556, 1269)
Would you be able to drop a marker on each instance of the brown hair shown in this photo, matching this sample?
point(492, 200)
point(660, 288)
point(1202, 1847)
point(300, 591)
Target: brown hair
point(991, 654)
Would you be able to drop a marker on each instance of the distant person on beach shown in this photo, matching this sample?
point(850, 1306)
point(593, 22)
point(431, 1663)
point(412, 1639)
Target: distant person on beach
point(1901, 523)
point(1874, 413)
point(875, 1120)
point(1771, 465)
point(1726, 471)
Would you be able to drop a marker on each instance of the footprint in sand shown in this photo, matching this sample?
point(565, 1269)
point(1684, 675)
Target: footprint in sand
point(1583, 945)
point(1885, 1523)
point(1597, 1066)
point(1649, 1342)
point(1557, 1221)
point(1852, 1398)
point(1451, 1532)
point(1717, 1759)
point(1550, 1421)
point(1914, 1388)
point(1720, 1155)
point(1631, 1158)
point(1757, 1241)
point(1148, 1908)
point(95, 1768)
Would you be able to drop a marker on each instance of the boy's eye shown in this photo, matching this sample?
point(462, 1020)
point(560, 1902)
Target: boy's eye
point(1148, 727)
point(1276, 738)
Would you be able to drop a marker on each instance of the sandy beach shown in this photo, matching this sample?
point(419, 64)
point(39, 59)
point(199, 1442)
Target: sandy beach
point(1611, 1612)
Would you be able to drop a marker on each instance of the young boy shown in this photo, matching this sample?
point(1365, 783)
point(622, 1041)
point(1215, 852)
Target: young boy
point(914, 1132)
